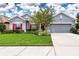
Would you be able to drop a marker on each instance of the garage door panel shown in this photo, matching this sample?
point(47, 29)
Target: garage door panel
point(62, 28)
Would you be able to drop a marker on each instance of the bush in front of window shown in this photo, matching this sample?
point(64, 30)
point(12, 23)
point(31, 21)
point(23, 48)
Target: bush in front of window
point(18, 31)
point(73, 30)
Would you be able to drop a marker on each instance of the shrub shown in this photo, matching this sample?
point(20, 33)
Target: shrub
point(35, 32)
point(9, 31)
point(44, 33)
point(31, 30)
point(2, 27)
point(77, 26)
point(18, 31)
point(73, 30)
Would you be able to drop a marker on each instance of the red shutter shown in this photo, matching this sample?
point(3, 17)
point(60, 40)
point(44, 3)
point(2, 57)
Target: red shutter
point(30, 26)
point(14, 27)
point(20, 27)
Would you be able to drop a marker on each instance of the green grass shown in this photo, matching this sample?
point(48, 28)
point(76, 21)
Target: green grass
point(24, 40)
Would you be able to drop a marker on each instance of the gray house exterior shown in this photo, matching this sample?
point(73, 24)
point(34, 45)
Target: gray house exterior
point(61, 23)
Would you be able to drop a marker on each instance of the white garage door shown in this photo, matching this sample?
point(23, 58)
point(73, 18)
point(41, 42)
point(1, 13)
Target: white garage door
point(60, 28)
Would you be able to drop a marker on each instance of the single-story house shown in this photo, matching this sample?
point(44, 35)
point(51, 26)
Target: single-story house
point(61, 23)
point(21, 23)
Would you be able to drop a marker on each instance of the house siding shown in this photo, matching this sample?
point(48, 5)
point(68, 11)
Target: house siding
point(61, 24)
point(64, 19)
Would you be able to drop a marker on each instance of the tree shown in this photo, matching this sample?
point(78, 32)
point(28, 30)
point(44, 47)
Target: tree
point(43, 17)
point(77, 24)
point(47, 16)
point(37, 18)
point(77, 16)
point(76, 28)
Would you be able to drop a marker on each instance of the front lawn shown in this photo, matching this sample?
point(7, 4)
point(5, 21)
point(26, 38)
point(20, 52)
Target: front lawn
point(24, 40)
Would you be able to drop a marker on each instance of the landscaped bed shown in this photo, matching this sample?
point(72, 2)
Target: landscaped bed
point(24, 40)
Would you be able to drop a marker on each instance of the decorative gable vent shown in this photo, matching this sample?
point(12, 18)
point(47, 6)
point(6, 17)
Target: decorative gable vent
point(60, 16)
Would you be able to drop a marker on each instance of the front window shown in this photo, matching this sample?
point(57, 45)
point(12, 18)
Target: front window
point(17, 26)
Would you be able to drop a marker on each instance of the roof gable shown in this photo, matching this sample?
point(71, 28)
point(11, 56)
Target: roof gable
point(26, 15)
point(64, 15)
point(16, 18)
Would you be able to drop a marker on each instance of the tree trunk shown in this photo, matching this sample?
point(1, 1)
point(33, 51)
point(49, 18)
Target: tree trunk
point(39, 27)
point(46, 29)
point(39, 30)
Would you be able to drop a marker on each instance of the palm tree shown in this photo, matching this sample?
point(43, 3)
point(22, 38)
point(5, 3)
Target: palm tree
point(37, 18)
point(44, 16)
point(47, 16)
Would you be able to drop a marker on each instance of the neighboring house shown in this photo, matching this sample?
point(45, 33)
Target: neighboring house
point(4, 19)
point(62, 23)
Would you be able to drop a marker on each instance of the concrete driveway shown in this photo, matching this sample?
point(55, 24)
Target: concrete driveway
point(66, 44)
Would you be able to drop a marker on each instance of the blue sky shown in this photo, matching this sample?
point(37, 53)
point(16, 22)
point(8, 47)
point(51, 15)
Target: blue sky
point(18, 9)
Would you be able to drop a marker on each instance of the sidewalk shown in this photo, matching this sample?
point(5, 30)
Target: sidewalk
point(27, 51)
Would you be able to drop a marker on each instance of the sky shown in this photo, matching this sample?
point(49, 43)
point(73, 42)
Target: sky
point(19, 9)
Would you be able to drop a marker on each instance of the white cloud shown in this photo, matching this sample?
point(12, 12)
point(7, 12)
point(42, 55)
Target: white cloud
point(72, 9)
point(2, 9)
point(62, 9)
point(10, 5)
